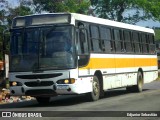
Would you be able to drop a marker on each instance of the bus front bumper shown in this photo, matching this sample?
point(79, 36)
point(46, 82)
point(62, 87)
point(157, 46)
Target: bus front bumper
point(53, 90)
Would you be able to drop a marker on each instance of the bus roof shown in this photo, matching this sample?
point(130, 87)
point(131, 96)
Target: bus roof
point(91, 19)
point(96, 20)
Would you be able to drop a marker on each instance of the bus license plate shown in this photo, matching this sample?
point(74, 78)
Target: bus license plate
point(62, 87)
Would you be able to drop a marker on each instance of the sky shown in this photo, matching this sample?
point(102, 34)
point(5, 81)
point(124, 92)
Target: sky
point(13, 2)
point(149, 23)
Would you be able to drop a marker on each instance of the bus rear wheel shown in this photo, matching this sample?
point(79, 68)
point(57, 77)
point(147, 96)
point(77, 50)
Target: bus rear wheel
point(43, 100)
point(95, 94)
point(139, 86)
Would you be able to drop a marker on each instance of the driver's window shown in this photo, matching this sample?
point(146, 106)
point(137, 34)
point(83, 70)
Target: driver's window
point(82, 42)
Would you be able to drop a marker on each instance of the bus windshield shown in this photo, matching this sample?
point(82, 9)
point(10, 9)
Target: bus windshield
point(42, 48)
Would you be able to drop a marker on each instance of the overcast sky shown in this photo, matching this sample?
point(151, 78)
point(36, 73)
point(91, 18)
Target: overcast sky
point(13, 2)
point(148, 23)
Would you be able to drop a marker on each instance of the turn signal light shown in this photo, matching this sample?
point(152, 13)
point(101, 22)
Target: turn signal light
point(72, 80)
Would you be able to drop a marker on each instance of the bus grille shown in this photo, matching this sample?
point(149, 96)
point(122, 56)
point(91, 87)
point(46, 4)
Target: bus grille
point(40, 92)
point(39, 84)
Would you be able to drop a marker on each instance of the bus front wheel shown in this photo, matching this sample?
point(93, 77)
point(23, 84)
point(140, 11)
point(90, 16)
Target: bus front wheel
point(95, 94)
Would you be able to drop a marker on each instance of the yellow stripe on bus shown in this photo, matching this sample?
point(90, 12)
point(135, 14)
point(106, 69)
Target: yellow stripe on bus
point(96, 63)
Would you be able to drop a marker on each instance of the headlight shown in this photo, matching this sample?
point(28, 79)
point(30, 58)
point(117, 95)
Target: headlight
point(15, 83)
point(66, 81)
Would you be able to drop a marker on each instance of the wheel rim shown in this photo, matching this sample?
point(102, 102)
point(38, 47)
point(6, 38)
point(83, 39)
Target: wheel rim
point(95, 88)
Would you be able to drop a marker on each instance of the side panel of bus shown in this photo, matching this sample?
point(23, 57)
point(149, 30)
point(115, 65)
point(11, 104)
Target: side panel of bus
point(119, 54)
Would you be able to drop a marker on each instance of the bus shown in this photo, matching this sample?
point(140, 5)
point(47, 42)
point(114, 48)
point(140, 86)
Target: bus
point(68, 54)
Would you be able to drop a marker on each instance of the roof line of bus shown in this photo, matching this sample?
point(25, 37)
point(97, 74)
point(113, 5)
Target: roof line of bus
point(43, 14)
point(101, 21)
point(107, 22)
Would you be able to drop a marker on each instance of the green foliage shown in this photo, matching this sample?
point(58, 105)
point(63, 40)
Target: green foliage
point(1, 31)
point(77, 6)
point(7, 38)
point(7, 14)
point(134, 10)
point(157, 34)
point(18, 11)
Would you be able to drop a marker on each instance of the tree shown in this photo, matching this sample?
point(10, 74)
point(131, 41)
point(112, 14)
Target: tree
point(128, 11)
point(7, 13)
point(3, 5)
point(1, 45)
point(21, 10)
point(157, 34)
point(18, 11)
point(78, 6)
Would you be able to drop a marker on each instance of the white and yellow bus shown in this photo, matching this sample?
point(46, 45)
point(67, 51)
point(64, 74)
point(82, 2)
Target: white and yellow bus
point(69, 53)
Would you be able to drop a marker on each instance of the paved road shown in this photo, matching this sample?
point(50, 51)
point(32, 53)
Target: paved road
point(115, 100)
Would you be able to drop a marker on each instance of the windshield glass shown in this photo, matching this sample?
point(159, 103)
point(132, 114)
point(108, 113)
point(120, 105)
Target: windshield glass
point(42, 48)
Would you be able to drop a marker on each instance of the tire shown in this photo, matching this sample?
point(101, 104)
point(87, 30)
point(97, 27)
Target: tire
point(43, 100)
point(95, 94)
point(139, 86)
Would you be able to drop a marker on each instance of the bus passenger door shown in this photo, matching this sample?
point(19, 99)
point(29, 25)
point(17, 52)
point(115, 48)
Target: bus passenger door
point(82, 52)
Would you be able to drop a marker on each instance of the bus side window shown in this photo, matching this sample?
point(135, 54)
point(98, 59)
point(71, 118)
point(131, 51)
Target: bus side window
point(118, 40)
point(135, 37)
point(105, 34)
point(82, 47)
point(151, 44)
point(82, 42)
point(127, 41)
point(95, 39)
point(147, 43)
point(144, 43)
